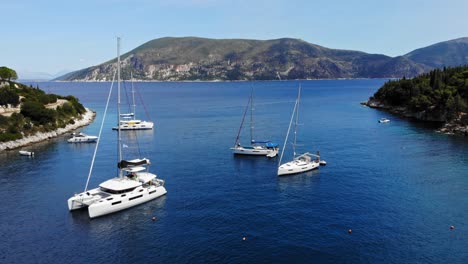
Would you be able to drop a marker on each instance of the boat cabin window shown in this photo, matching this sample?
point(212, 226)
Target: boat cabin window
point(116, 192)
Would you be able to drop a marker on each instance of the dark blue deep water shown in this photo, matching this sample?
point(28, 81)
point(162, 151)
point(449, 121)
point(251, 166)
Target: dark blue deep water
point(398, 186)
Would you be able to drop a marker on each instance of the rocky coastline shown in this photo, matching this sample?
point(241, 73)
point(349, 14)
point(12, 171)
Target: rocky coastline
point(450, 128)
point(86, 119)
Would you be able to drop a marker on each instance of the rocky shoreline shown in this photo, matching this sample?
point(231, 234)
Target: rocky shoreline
point(86, 119)
point(450, 128)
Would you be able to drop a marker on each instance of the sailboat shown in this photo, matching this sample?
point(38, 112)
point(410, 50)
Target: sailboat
point(133, 185)
point(128, 121)
point(257, 147)
point(300, 163)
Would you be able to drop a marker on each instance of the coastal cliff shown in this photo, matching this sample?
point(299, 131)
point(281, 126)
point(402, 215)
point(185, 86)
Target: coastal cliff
point(28, 114)
point(85, 119)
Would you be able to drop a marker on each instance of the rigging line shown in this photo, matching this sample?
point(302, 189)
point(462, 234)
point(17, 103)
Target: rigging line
point(99, 136)
point(126, 95)
point(119, 139)
point(242, 122)
point(144, 106)
point(287, 134)
point(133, 96)
point(297, 120)
point(251, 115)
point(137, 142)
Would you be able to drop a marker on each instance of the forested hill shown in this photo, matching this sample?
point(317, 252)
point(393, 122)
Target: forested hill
point(26, 110)
point(440, 95)
point(192, 58)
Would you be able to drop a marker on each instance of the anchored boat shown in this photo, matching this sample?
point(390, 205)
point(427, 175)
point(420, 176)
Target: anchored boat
point(133, 185)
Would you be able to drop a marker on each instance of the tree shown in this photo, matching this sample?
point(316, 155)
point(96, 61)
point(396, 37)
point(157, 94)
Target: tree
point(8, 96)
point(7, 74)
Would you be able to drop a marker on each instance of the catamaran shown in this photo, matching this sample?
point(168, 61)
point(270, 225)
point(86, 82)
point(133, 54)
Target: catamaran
point(128, 121)
point(133, 185)
point(300, 163)
point(257, 147)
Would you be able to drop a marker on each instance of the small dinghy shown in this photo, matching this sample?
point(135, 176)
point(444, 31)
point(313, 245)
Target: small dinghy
point(323, 163)
point(26, 153)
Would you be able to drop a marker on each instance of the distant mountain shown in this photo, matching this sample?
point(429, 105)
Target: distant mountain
point(25, 75)
point(447, 53)
point(192, 58)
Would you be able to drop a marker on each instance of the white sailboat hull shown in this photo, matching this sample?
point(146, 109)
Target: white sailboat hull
point(99, 204)
point(256, 151)
point(297, 166)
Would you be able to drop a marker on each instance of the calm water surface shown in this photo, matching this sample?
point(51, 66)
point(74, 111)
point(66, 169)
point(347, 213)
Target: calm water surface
point(398, 186)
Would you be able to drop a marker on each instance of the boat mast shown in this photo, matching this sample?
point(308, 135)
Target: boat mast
point(133, 97)
point(287, 134)
point(251, 116)
point(242, 123)
point(119, 140)
point(297, 119)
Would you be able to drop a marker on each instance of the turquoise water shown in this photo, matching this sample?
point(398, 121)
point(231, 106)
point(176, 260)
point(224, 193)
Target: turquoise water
point(399, 186)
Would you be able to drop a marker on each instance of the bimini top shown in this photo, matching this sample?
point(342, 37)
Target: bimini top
point(271, 145)
point(132, 163)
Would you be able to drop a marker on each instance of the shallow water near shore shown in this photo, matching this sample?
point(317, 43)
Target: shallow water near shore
point(399, 186)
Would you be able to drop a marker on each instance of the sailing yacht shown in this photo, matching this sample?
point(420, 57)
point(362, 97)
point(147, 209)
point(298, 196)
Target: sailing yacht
point(257, 147)
point(133, 185)
point(128, 121)
point(300, 163)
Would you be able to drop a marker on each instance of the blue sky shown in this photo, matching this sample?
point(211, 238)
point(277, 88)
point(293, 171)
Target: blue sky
point(59, 35)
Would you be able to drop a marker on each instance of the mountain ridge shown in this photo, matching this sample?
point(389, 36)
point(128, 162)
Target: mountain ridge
point(194, 58)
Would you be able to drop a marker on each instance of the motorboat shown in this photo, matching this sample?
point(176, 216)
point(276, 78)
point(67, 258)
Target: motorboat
point(384, 120)
point(82, 138)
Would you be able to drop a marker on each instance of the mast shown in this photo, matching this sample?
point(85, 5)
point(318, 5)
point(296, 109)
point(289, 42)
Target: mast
point(287, 134)
point(242, 123)
point(251, 116)
point(297, 119)
point(133, 97)
point(119, 140)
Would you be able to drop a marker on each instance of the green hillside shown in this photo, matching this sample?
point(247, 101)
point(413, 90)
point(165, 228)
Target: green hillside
point(27, 110)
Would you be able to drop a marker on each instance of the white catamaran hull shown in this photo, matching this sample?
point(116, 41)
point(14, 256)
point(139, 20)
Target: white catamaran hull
point(100, 203)
point(140, 125)
point(258, 151)
point(297, 166)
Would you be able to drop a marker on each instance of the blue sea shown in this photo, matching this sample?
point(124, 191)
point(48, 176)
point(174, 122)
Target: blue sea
point(398, 186)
